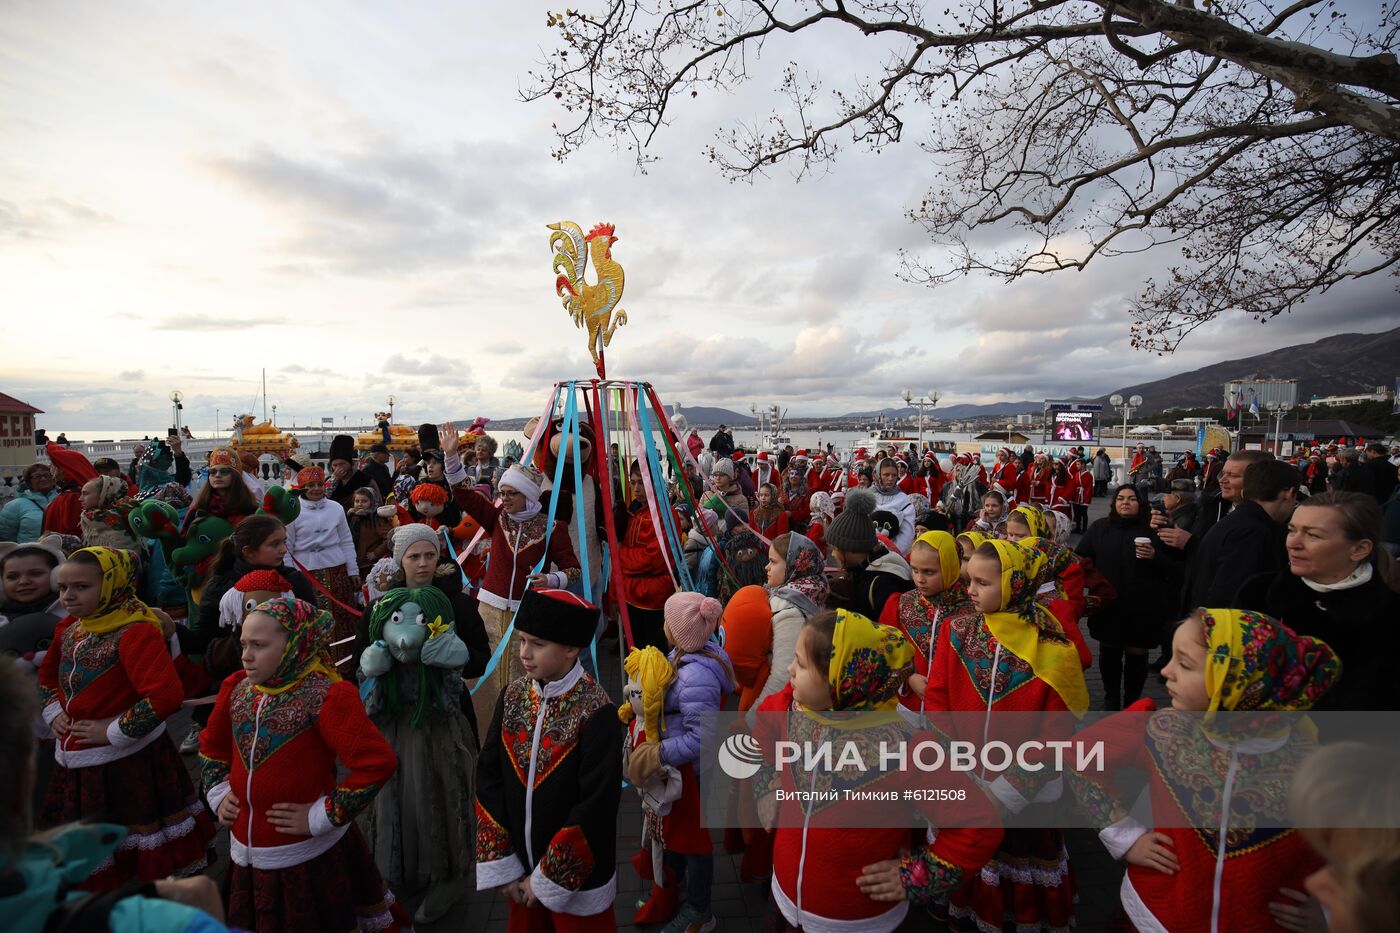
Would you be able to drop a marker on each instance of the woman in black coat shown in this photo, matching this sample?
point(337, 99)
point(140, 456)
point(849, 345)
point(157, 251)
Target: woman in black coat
point(1131, 625)
point(1339, 587)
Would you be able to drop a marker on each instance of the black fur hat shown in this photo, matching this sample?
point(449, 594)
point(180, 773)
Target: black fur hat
point(428, 437)
point(342, 448)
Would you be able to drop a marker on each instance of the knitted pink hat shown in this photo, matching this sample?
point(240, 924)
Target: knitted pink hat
point(691, 619)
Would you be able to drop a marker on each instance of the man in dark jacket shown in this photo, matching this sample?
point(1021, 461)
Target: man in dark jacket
point(1211, 508)
point(1248, 541)
point(1351, 476)
point(377, 468)
point(1383, 475)
point(722, 444)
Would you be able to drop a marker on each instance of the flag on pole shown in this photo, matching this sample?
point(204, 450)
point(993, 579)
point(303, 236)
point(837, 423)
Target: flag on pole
point(1253, 404)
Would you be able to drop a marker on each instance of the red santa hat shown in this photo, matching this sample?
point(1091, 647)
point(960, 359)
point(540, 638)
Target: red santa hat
point(763, 456)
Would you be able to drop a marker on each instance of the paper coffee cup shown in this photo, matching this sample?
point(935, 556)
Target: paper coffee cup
point(1142, 542)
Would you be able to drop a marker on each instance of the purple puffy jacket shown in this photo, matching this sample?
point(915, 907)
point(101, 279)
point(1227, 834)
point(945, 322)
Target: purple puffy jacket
point(702, 681)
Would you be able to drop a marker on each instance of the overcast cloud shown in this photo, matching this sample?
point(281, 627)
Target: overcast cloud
point(351, 197)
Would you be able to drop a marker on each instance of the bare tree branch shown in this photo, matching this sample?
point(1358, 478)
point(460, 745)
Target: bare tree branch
point(1258, 142)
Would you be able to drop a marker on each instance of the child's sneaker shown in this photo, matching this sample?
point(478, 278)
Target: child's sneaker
point(690, 920)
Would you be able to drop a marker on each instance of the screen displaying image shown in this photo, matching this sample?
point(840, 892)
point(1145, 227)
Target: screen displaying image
point(1074, 426)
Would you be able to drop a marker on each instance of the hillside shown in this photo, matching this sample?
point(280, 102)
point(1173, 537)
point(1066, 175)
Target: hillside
point(953, 411)
point(1340, 365)
point(701, 415)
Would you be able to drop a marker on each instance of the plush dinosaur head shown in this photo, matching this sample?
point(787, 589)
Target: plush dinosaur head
point(155, 519)
point(202, 539)
point(281, 504)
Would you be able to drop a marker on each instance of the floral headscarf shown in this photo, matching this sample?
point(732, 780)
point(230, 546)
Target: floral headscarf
point(308, 643)
point(117, 604)
point(1254, 662)
point(919, 614)
point(821, 503)
point(975, 538)
point(805, 585)
point(869, 663)
point(113, 506)
point(1029, 631)
point(949, 561)
point(1036, 520)
point(1058, 559)
point(109, 490)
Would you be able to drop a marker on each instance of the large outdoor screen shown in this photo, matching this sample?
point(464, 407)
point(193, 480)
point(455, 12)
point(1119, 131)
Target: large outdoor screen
point(1074, 426)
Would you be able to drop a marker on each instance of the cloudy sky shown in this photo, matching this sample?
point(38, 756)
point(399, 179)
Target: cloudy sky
point(352, 196)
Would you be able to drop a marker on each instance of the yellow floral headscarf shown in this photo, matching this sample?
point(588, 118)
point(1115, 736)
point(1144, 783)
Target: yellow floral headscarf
point(949, 562)
point(869, 662)
point(117, 603)
point(1254, 662)
point(1036, 520)
point(976, 538)
point(1029, 631)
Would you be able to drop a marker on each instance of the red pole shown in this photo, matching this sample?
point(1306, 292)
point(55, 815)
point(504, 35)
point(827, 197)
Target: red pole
point(609, 519)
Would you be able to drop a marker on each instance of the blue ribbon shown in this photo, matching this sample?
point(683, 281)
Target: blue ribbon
point(668, 520)
point(570, 423)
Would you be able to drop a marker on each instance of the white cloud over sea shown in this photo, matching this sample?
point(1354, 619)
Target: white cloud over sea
point(352, 197)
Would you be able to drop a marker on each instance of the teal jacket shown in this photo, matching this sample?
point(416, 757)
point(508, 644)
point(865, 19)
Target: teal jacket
point(22, 518)
point(36, 886)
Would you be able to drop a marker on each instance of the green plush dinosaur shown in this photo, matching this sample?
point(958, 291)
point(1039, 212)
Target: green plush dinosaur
point(155, 519)
point(282, 504)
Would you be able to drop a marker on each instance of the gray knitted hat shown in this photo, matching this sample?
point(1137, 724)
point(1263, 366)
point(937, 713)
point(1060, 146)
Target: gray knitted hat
point(853, 530)
point(405, 536)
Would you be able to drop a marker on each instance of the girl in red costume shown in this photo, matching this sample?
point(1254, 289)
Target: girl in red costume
point(108, 686)
point(268, 759)
point(828, 875)
point(1012, 655)
point(1222, 660)
point(937, 596)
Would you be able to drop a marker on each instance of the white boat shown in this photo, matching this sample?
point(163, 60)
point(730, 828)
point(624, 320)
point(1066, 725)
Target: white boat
point(892, 435)
point(773, 437)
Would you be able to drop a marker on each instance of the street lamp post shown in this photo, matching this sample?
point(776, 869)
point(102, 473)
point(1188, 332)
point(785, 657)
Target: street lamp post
point(929, 400)
point(1278, 410)
point(1126, 408)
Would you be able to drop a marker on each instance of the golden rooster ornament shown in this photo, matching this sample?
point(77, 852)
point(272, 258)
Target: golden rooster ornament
point(593, 307)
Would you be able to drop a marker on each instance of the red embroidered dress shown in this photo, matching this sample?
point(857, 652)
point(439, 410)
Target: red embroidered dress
point(1183, 763)
point(116, 663)
point(549, 782)
point(1030, 881)
point(268, 746)
point(920, 617)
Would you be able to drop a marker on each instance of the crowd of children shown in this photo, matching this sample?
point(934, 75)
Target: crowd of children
point(397, 696)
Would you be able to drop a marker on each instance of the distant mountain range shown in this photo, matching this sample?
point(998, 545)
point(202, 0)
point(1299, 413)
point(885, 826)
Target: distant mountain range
point(1342, 365)
point(1346, 364)
point(953, 411)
